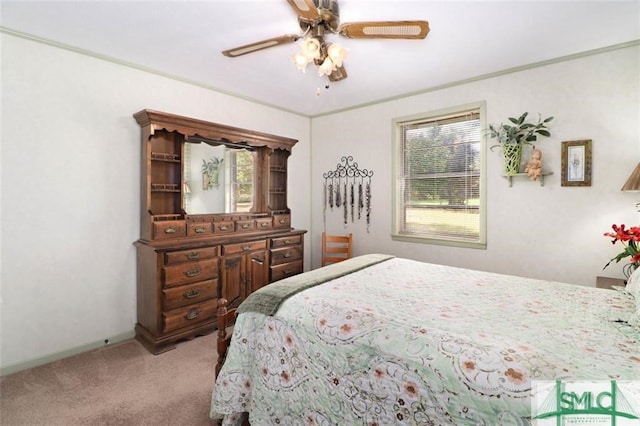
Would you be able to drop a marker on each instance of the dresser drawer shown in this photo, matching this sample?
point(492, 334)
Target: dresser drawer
point(285, 255)
point(244, 247)
point(189, 315)
point(169, 229)
point(286, 241)
point(264, 224)
point(223, 227)
point(279, 272)
point(176, 297)
point(174, 257)
point(190, 272)
point(281, 221)
point(245, 225)
point(200, 228)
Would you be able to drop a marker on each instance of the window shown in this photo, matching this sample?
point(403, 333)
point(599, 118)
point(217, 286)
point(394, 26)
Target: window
point(240, 163)
point(438, 193)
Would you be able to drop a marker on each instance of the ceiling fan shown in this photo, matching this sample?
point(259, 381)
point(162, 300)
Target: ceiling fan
point(316, 18)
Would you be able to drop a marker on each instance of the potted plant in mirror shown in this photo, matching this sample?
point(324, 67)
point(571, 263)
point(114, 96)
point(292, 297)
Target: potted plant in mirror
point(512, 136)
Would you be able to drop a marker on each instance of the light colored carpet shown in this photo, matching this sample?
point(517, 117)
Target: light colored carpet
point(121, 384)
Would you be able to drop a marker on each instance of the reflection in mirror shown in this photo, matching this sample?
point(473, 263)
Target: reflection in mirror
point(217, 179)
point(240, 177)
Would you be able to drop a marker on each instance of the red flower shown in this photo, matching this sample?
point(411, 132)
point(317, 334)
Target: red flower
point(630, 239)
point(622, 234)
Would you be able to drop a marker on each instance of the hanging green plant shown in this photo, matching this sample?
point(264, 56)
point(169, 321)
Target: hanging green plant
point(513, 135)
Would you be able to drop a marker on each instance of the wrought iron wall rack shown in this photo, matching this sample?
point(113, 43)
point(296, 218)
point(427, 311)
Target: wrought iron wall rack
point(348, 186)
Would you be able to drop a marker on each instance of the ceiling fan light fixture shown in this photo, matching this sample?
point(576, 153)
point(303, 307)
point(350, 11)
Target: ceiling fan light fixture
point(310, 48)
point(327, 57)
point(337, 54)
point(301, 61)
point(327, 67)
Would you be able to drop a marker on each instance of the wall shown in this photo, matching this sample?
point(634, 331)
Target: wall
point(71, 196)
point(70, 181)
point(548, 232)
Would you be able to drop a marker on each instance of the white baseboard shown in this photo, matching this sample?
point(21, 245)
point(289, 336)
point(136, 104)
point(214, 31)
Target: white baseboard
point(46, 359)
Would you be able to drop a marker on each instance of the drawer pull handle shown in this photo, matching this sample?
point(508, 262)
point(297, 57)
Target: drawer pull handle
point(287, 271)
point(191, 294)
point(193, 255)
point(192, 273)
point(264, 224)
point(193, 314)
point(200, 230)
point(170, 230)
point(246, 248)
point(245, 225)
point(289, 241)
point(223, 228)
point(287, 255)
point(283, 221)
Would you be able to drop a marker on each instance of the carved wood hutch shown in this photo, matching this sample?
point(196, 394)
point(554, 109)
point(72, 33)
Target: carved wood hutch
point(185, 262)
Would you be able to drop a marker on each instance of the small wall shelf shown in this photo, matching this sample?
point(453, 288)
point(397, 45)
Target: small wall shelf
point(541, 179)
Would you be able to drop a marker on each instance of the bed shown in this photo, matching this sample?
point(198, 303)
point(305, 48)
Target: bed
point(381, 340)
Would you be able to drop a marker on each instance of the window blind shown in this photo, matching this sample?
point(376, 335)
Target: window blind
point(438, 178)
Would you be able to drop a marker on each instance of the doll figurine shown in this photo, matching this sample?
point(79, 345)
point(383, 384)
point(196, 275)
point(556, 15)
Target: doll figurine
point(534, 166)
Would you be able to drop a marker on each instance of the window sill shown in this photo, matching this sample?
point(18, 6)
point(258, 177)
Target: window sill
point(434, 241)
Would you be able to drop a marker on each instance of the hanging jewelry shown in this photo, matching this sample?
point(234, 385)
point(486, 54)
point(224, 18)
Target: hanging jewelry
point(330, 193)
point(324, 196)
point(368, 205)
point(360, 202)
point(345, 203)
point(352, 202)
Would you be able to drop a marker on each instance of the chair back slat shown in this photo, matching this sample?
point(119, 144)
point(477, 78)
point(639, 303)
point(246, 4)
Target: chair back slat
point(336, 248)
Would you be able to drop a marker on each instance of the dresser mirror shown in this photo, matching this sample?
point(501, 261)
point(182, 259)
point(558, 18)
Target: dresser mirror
point(218, 178)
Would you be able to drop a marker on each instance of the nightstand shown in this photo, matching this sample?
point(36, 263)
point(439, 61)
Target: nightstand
point(606, 282)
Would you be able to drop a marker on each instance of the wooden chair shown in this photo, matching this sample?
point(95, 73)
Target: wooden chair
point(336, 248)
point(225, 318)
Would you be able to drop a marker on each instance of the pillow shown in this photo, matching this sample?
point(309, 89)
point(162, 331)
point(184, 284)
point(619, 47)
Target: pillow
point(633, 285)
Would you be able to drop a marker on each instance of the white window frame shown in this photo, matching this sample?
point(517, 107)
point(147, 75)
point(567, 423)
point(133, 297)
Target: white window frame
point(399, 233)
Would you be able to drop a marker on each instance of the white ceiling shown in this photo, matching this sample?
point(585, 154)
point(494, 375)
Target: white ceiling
point(468, 39)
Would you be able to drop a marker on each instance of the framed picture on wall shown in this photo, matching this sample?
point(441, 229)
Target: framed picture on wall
point(576, 163)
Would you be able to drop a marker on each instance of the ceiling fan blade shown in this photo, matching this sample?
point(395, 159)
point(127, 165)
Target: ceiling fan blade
point(385, 29)
point(305, 9)
point(264, 44)
point(339, 74)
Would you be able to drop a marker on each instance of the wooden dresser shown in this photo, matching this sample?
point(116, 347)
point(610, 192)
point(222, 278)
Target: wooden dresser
point(187, 261)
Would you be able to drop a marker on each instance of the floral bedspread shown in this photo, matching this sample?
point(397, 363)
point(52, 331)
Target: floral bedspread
point(406, 342)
